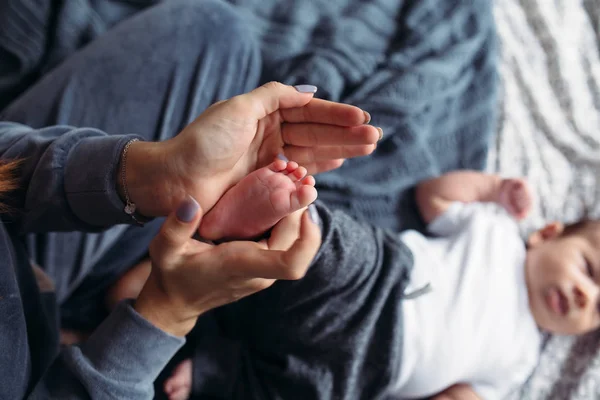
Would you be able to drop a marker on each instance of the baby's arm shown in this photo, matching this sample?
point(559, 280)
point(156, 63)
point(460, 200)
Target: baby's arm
point(457, 392)
point(434, 196)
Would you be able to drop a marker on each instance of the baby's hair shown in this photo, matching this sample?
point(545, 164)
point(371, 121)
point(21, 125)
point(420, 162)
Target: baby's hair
point(585, 221)
point(8, 181)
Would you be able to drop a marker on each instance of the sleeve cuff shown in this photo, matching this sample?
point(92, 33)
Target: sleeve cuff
point(91, 180)
point(127, 345)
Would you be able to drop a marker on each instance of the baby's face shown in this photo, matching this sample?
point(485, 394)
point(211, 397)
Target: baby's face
point(563, 277)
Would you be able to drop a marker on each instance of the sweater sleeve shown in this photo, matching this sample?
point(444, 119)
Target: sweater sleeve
point(67, 177)
point(120, 360)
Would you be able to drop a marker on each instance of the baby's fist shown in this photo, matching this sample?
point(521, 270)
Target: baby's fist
point(515, 196)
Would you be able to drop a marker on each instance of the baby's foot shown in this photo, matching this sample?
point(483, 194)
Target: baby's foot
point(179, 384)
point(515, 197)
point(259, 201)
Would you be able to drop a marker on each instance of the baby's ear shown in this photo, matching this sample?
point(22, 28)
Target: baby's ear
point(548, 232)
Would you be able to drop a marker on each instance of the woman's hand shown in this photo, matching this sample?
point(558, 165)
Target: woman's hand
point(189, 277)
point(234, 137)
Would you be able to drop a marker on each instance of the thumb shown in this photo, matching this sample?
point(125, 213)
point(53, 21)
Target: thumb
point(177, 230)
point(274, 96)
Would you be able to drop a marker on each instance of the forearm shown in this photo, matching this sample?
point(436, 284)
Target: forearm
point(67, 179)
point(435, 195)
point(120, 360)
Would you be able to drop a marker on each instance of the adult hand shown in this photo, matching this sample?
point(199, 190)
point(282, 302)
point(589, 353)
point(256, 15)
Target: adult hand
point(189, 277)
point(234, 137)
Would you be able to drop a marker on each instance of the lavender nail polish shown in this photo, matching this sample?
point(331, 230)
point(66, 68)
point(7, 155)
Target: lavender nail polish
point(314, 214)
point(306, 88)
point(282, 157)
point(187, 210)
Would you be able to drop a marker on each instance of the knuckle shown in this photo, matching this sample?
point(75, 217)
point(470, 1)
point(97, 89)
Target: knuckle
point(272, 85)
point(295, 273)
point(237, 103)
point(168, 234)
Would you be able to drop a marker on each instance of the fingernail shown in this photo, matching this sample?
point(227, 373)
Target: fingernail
point(187, 210)
point(367, 117)
point(380, 133)
point(313, 214)
point(306, 88)
point(282, 157)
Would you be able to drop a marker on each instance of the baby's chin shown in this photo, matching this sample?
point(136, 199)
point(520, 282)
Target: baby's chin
point(565, 326)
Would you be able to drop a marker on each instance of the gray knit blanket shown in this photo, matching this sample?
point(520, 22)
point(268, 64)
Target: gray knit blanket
point(424, 69)
point(549, 131)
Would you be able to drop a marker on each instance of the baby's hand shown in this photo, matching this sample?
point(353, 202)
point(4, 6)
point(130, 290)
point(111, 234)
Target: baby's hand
point(515, 196)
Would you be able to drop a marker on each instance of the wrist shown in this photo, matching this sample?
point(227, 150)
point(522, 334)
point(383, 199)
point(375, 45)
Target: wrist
point(156, 308)
point(143, 177)
point(496, 192)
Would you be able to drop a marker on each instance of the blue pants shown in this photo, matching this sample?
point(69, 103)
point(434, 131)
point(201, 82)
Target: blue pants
point(151, 74)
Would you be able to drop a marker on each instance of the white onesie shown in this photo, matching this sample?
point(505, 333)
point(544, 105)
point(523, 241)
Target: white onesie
point(475, 326)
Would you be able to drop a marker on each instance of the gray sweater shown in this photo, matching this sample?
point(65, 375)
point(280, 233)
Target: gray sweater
point(68, 182)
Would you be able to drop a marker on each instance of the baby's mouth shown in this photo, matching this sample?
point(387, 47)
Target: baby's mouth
point(557, 302)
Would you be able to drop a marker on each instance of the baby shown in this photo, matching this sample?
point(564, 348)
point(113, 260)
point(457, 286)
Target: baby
point(454, 315)
point(477, 333)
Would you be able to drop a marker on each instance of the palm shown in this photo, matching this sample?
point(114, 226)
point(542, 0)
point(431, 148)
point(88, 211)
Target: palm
point(229, 148)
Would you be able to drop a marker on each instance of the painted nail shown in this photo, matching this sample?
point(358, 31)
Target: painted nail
point(306, 88)
point(380, 133)
point(367, 117)
point(282, 157)
point(187, 210)
point(313, 214)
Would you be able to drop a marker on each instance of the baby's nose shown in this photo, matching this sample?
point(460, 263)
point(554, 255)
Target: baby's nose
point(585, 294)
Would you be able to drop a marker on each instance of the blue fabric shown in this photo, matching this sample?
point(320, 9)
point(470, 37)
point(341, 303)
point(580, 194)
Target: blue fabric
point(424, 69)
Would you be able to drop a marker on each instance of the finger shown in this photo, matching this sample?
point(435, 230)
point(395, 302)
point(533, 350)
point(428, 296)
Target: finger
point(304, 250)
point(327, 112)
point(286, 231)
point(309, 155)
point(275, 264)
point(176, 231)
point(329, 135)
point(274, 96)
point(316, 167)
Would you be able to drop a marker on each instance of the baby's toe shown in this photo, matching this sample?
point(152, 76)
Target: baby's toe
point(306, 195)
point(298, 174)
point(291, 166)
point(278, 166)
point(309, 180)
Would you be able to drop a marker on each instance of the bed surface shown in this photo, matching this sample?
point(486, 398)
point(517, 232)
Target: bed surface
point(549, 131)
